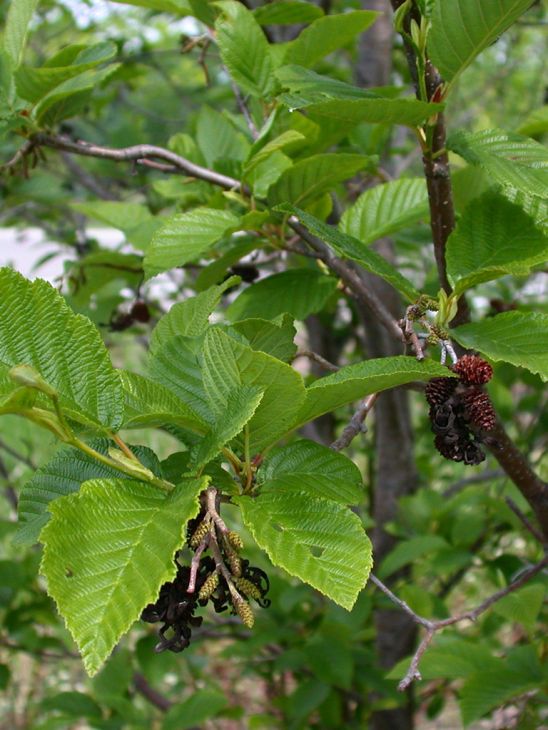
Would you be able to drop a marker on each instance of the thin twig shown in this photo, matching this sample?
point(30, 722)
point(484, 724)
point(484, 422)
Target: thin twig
point(356, 424)
point(432, 627)
point(195, 563)
point(485, 476)
point(325, 364)
point(155, 698)
point(535, 532)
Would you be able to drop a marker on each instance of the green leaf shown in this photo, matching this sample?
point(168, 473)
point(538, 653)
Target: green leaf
point(299, 292)
point(218, 139)
point(536, 123)
point(287, 12)
point(63, 474)
point(510, 159)
point(326, 35)
point(228, 364)
point(493, 238)
point(324, 96)
point(37, 328)
point(176, 365)
point(317, 540)
point(275, 338)
point(191, 317)
point(520, 338)
point(244, 48)
point(384, 209)
point(309, 178)
point(286, 139)
point(68, 98)
point(483, 691)
point(178, 7)
point(350, 248)
point(535, 206)
point(108, 550)
point(73, 704)
point(241, 405)
point(522, 606)
point(306, 466)
point(463, 28)
point(133, 219)
point(356, 381)
point(410, 550)
point(150, 404)
point(18, 18)
point(202, 705)
point(186, 236)
point(34, 83)
point(215, 272)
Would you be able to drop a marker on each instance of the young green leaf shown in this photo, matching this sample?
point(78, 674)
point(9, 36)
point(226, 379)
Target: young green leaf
point(287, 12)
point(37, 328)
point(240, 407)
point(299, 292)
point(324, 96)
point(228, 364)
point(317, 540)
point(273, 337)
point(306, 466)
point(520, 338)
point(244, 48)
point(108, 550)
point(350, 248)
point(34, 83)
point(307, 179)
point(510, 159)
point(326, 35)
point(150, 404)
point(493, 238)
point(218, 139)
point(356, 381)
point(19, 15)
point(190, 317)
point(461, 29)
point(186, 236)
point(384, 209)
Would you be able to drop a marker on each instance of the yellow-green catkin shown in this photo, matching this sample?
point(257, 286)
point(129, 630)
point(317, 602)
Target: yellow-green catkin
point(244, 611)
point(211, 583)
point(235, 564)
point(199, 534)
point(234, 540)
point(247, 587)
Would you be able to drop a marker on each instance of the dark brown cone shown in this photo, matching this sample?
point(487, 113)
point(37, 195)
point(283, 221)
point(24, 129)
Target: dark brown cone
point(479, 409)
point(438, 390)
point(473, 370)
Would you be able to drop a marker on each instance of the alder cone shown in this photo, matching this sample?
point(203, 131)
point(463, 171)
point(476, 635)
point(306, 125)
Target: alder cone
point(473, 370)
point(438, 390)
point(479, 409)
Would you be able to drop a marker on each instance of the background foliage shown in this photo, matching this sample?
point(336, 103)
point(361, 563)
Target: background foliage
point(151, 73)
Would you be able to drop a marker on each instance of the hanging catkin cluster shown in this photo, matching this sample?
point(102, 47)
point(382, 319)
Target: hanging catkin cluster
point(461, 412)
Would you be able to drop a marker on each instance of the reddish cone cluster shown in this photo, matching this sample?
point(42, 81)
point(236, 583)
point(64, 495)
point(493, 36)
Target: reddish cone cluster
point(460, 411)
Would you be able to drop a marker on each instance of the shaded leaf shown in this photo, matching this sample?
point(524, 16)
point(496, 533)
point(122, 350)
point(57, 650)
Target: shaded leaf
point(287, 12)
point(273, 337)
point(520, 338)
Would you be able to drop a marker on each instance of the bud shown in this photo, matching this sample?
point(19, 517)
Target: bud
point(211, 583)
point(473, 370)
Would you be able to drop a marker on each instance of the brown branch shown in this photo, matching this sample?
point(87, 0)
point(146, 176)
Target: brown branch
point(356, 424)
point(322, 362)
point(155, 698)
point(526, 522)
point(433, 627)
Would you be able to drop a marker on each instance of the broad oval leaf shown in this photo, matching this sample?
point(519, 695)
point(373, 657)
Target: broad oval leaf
point(299, 292)
point(273, 337)
point(244, 48)
point(326, 34)
point(463, 28)
point(310, 178)
point(186, 236)
point(18, 18)
point(324, 96)
point(228, 364)
point(108, 550)
point(493, 238)
point(356, 381)
point(510, 159)
point(319, 541)
point(350, 248)
point(38, 328)
point(306, 466)
point(384, 209)
point(520, 338)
